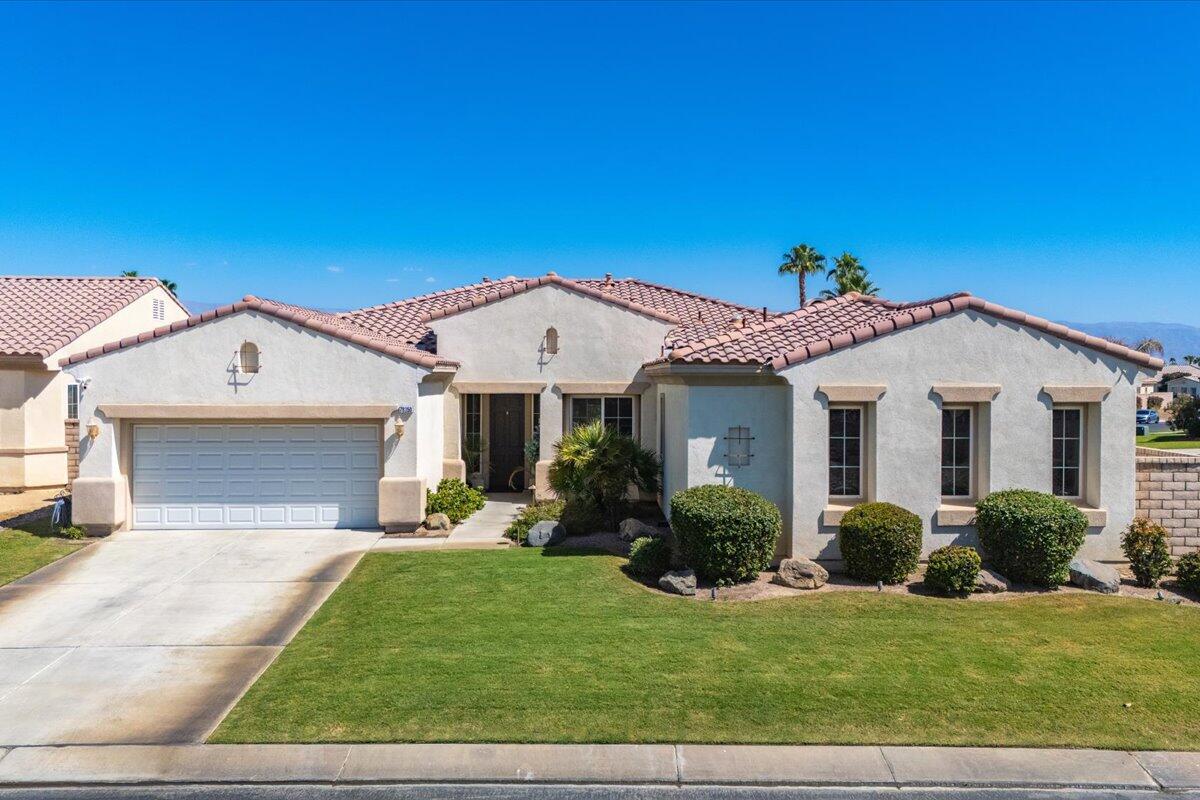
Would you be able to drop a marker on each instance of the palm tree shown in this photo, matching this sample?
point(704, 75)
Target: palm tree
point(1149, 346)
point(129, 273)
point(169, 285)
point(802, 261)
point(1193, 360)
point(849, 275)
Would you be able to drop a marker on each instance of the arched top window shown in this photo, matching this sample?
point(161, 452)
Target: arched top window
point(551, 341)
point(248, 358)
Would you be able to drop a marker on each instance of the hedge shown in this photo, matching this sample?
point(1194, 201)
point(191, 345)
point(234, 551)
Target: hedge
point(880, 542)
point(1030, 536)
point(725, 533)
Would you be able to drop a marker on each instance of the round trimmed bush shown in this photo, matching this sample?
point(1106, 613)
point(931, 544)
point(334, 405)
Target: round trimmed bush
point(880, 542)
point(725, 533)
point(953, 569)
point(1145, 545)
point(1030, 536)
point(455, 499)
point(1187, 571)
point(649, 557)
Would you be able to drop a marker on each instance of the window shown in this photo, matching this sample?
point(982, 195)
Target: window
point(472, 431)
point(248, 358)
point(158, 309)
point(1067, 451)
point(617, 412)
point(956, 452)
point(537, 416)
point(845, 452)
point(72, 401)
point(737, 446)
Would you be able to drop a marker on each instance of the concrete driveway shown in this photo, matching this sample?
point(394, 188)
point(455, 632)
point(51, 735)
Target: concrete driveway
point(150, 637)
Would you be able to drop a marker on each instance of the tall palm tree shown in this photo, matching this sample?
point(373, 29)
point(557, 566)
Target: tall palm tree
point(1193, 360)
point(802, 261)
point(849, 275)
point(129, 273)
point(1149, 346)
point(169, 285)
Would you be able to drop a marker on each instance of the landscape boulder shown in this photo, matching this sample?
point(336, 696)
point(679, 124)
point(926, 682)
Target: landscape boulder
point(546, 532)
point(989, 581)
point(1088, 574)
point(631, 529)
point(437, 522)
point(679, 581)
point(800, 573)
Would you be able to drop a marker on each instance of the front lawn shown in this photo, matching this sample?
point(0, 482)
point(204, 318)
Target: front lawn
point(517, 646)
point(1167, 440)
point(23, 551)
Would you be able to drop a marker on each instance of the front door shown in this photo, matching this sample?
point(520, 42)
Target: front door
point(506, 445)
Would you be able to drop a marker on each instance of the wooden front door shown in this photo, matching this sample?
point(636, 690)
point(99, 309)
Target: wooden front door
point(506, 445)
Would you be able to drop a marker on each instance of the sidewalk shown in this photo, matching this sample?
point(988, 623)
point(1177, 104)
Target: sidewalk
point(663, 765)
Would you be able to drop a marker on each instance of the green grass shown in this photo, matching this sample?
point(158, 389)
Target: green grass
point(516, 646)
point(23, 551)
point(1167, 440)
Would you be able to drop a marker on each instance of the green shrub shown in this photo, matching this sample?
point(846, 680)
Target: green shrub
point(71, 532)
point(1185, 415)
point(595, 464)
point(1187, 571)
point(581, 516)
point(649, 557)
point(953, 569)
point(725, 533)
point(1145, 545)
point(880, 542)
point(529, 516)
point(455, 499)
point(1030, 536)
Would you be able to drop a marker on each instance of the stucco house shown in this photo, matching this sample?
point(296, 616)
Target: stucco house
point(1184, 385)
point(43, 319)
point(264, 414)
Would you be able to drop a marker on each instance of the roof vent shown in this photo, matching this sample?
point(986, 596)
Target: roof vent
point(739, 321)
point(608, 281)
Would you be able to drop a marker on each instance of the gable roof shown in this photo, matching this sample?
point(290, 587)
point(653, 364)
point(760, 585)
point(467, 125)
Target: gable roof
point(40, 315)
point(320, 321)
point(693, 315)
point(827, 325)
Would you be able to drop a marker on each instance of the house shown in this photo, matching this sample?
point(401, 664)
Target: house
point(264, 414)
point(1184, 384)
point(42, 320)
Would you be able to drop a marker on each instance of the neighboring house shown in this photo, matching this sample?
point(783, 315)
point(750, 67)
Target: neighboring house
point(263, 414)
point(41, 320)
point(1184, 385)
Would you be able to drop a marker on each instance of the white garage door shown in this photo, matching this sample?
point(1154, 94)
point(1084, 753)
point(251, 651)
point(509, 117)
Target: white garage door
point(255, 476)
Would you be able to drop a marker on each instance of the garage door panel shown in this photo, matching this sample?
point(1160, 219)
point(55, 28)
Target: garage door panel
point(238, 476)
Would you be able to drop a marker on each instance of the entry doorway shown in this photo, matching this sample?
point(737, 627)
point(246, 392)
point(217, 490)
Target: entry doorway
point(506, 445)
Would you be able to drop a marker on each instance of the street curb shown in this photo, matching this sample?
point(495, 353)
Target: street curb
point(643, 765)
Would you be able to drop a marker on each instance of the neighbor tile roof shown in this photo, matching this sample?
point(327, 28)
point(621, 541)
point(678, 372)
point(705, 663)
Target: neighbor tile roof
point(694, 315)
point(826, 325)
point(320, 321)
point(39, 316)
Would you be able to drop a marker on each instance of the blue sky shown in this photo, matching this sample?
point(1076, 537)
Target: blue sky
point(1044, 156)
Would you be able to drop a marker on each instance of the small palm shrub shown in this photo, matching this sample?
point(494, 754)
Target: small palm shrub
point(529, 516)
point(1187, 571)
point(649, 557)
point(1145, 545)
point(953, 569)
point(455, 499)
point(596, 465)
point(880, 542)
point(726, 533)
point(1030, 536)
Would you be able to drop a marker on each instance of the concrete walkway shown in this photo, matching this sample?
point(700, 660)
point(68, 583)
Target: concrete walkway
point(488, 524)
point(151, 636)
point(678, 765)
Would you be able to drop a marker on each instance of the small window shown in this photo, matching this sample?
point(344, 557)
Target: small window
point(158, 308)
point(248, 358)
point(616, 412)
point(1067, 447)
point(551, 341)
point(845, 452)
point(72, 401)
point(737, 446)
point(956, 452)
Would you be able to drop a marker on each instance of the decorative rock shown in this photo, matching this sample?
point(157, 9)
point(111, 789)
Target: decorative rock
point(437, 522)
point(679, 581)
point(1089, 574)
point(631, 529)
point(546, 532)
point(800, 573)
point(990, 582)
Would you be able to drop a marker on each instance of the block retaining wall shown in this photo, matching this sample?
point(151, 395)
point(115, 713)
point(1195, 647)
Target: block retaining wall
point(1168, 492)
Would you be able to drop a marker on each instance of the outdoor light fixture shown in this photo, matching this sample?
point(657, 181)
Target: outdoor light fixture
point(399, 429)
point(551, 341)
point(93, 428)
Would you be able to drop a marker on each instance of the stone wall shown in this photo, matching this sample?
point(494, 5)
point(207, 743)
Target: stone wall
point(1168, 492)
point(72, 440)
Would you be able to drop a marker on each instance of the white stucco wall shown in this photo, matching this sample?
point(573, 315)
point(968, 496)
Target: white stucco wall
point(676, 425)
point(299, 367)
point(969, 348)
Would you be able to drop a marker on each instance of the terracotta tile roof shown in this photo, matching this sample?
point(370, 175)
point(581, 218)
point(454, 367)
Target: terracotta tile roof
point(826, 325)
point(694, 315)
point(39, 315)
point(329, 324)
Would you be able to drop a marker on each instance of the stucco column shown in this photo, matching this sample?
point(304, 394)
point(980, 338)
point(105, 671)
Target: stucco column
point(551, 431)
point(453, 465)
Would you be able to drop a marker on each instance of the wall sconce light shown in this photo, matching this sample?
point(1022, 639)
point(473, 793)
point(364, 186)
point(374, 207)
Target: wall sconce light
point(551, 341)
point(93, 428)
point(399, 429)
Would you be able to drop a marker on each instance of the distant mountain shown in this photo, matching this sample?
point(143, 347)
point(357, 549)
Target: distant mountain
point(1178, 340)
